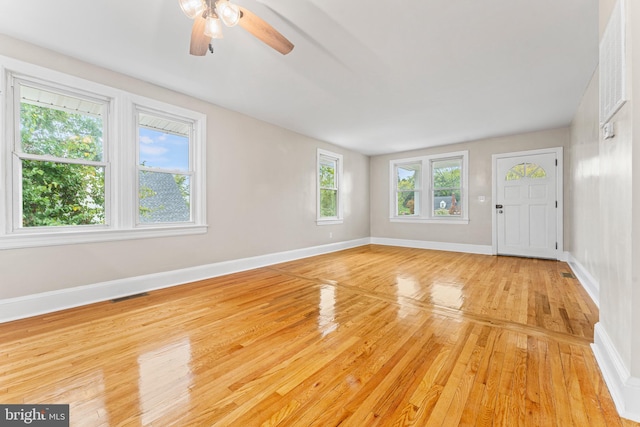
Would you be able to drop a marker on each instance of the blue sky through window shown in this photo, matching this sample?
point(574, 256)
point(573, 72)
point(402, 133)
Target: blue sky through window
point(163, 150)
point(405, 173)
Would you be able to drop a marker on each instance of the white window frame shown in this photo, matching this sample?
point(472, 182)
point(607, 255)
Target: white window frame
point(120, 157)
point(17, 155)
point(339, 219)
point(418, 189)
point(423, 212)
point(196, 159)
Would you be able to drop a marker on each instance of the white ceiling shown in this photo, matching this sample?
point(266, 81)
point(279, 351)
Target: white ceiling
point(373, 76)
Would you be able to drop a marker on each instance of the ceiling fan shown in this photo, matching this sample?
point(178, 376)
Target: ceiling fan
point(208, 15)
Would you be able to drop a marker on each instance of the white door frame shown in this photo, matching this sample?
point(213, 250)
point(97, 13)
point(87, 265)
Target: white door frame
point(559, 194)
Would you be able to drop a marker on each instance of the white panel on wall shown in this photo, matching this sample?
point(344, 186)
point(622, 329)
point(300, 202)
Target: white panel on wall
point(612, 65)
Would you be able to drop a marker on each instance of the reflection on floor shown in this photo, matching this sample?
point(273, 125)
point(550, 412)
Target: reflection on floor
point(369, 336)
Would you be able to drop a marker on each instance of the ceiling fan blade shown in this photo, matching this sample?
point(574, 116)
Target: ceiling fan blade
point(199, 42)
point(264, 32)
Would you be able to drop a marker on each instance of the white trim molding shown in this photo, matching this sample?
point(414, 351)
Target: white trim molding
point(588, 282)
point(48, 302)
point(338, 174)
point(624, 389)
point(438, 246)
point(424, 189)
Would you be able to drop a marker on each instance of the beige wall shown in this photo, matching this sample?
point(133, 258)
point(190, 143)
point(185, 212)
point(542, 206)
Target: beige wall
point(478, 231)
point(634, 297)
point(619, 291)
point(603, 244)
point(606, 202)
point(261, 198)
point(584, 183)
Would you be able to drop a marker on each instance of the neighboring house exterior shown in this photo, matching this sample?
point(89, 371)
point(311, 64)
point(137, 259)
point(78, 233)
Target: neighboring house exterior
point(161, 199)
point(443, 202)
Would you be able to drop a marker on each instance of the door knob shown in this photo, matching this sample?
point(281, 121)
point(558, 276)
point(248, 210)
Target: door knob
point(500, 211)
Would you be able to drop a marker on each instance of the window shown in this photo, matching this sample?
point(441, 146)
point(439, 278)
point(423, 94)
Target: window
point(60, 158)
point(407, 182)
point(164, 169)
point(446, 187)
point(76, 152)
point(329, 192)
point(444, 179)
point(525, 170)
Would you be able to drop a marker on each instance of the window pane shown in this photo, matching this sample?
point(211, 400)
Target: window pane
point(164, 197)
point(329, 194)
point(328, 203)
point(535, 171)
point(163, 143)
point(58, 194)
point(328, 173)
point(447, 203)
point(64, 127)
point(516, 172)
point(407, 176)
point(446, 173)
point(525, 170)
point(407, 202)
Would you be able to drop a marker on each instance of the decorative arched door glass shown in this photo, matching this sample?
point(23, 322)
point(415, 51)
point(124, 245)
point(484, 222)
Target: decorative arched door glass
point(525, 170)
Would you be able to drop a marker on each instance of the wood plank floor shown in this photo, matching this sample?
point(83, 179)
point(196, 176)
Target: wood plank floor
point(372, 336)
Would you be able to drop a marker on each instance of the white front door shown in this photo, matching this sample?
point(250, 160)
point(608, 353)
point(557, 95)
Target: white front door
point(527, 205)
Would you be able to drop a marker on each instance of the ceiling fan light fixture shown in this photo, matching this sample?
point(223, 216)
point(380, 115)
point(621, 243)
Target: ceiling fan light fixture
point(213, 27)
point(228, 12)
point(192, 8)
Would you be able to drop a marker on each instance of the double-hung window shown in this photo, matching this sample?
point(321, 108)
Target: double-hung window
point(60, 160)
point(446, 187)
point(165, 168)
point(329, 174)
point(84, 162)
point(407, 180)
point(430, 188)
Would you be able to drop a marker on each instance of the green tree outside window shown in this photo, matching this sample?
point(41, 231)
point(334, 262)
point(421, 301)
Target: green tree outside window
point(328, 188)
point(65, 189)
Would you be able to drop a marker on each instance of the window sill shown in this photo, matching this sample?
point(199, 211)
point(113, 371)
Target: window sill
point(417, 220)
point(332, 221)
point(37, 239)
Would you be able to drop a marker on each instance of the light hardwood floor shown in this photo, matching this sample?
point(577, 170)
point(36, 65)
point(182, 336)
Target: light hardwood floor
point(369, 336)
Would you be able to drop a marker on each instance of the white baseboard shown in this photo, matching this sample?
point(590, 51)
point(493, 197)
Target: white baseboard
point(48, 302)
point(588, 282)
point(624, 389)
point(439, 246)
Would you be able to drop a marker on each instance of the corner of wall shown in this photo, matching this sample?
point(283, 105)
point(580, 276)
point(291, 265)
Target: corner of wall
point(588, 282)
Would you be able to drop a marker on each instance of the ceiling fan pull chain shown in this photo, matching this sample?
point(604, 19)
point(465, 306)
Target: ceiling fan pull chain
point(210, 48)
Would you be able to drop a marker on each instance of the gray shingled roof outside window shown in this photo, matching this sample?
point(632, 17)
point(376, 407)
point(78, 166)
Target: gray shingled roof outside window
point(446, 200)
point(164, 202)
